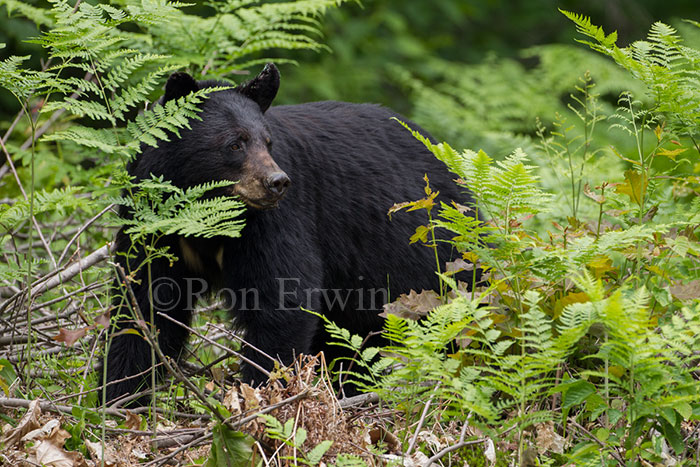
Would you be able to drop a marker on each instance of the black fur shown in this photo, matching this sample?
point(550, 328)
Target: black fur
point(348, 164)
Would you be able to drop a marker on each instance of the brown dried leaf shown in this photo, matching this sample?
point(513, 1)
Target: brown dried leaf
point(412, 306)
point(548, 439)
point(29, 422)
point(49, 450)
point(251, 397)
point(103, 319)
point(459, 265)
point(687, 291)
point(231, 402)
point(97, 454)
point(379, 434)
point(133, 421)
point(70, 337)
point(600, 199)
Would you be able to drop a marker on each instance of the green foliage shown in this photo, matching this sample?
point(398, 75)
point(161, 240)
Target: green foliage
point(229, 448)
point(158, 207)
point(589, 323)
point(668, 68)
point(295, 439)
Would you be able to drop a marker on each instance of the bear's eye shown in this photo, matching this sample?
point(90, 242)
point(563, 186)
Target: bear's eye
point(268, 143)
point(236, 147)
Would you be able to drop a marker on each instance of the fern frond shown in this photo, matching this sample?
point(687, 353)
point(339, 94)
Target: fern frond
point(152, 125)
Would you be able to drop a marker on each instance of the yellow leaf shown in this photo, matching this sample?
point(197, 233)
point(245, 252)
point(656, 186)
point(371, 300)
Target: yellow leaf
point(470, 256)
point(635, 186)
point(600, 265)
point(425, 203)
point(421, 234)
point(617, 371)
point(568, 299)
point(671, 153)
point(428, 191)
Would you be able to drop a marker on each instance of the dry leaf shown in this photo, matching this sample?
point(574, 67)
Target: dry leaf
point(413, 306)
point(29, 422)
point(231, 402)
point(687, 291)
point(49, 451)
point(251, 397)
point(380, 435)
point(70, 337)
point(42, 432)
point(490, 451)
point(103, 319)
point(600, 199)
point(96, 453)
point(548, 439)
point(459, 265)
point(133, 421)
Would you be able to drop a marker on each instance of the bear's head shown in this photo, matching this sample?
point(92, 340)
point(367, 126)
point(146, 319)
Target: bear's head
point(230, 141)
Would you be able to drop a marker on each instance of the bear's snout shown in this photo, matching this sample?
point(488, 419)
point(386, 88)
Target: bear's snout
point(277, 183)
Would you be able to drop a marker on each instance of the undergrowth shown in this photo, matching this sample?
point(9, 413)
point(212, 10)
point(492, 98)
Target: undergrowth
point(582, 346)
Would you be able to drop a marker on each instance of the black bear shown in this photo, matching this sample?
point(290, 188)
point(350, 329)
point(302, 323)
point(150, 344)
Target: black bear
point(318, 180)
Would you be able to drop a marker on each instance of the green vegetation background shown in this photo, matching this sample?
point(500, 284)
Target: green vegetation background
point(371, 44)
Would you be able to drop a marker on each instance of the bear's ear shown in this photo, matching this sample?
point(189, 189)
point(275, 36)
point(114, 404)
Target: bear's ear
point(263, 88)
point(179, 85)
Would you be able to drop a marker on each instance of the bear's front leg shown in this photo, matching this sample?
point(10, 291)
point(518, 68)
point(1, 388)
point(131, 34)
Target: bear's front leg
point(275, 325)
point(129, 354)
point(278, 329)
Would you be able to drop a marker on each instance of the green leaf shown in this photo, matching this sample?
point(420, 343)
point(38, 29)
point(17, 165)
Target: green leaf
point(300, 437)
point(229, 448)
point(672, 434)
point(314, 457)
point(576, 392)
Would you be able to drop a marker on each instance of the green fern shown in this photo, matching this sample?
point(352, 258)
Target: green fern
point(159, 208)
point(667, 67)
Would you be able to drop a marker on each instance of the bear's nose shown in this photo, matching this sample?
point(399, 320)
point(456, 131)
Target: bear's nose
point(278, 183)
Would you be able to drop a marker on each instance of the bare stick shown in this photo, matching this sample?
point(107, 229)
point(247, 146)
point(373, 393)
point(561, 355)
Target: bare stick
point(73, 270)
point(81, 230)
point(362, 399)
point(460, 444)
point(414, 438)
point(216, 344)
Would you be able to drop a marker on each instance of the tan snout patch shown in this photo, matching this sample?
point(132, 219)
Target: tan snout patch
point(251, 187)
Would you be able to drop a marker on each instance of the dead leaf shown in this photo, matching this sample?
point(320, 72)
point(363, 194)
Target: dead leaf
point(548, 439)
point(70, 337)
point(379, 434)
point(231, 402)
point(103, 319)
point(29, 422)
point(459, 265)
point(461, 208)
point(97, 454)
point(251, 396)
point(42, 432)
point(133, 421)
point(490, 452)
point(600, 199)
point(687, 291)
point(412, 306)
point(48, 450)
